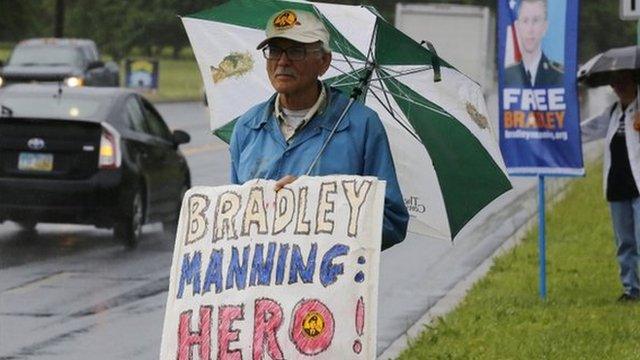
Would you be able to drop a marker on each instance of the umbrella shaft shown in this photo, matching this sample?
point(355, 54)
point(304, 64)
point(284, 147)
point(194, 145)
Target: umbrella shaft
point(364, 81)
point(326, 141)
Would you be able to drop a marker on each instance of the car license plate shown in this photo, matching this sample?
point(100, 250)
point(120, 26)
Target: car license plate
point(35, 162)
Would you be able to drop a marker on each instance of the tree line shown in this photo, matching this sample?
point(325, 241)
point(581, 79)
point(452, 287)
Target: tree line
point(119, 26)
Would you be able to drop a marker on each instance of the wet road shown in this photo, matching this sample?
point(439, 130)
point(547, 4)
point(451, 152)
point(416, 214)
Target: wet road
point(68, 291)
point(208, 160)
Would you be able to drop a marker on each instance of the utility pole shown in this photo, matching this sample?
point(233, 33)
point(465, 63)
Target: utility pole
point(58, 26)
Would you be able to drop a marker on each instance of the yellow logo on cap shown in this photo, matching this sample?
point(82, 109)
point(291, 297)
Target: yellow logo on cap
point(285, 20)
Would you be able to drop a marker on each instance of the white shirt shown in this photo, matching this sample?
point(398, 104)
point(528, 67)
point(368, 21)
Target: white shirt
point(605, 126)
point(292, 121)
point(533, 70)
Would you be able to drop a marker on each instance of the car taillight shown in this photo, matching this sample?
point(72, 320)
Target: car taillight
point(110, 156)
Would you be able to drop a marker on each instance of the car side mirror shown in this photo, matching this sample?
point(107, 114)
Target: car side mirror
point(180, 137)
point(95, 64)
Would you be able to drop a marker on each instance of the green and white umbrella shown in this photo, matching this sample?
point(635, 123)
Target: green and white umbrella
point(447, 160)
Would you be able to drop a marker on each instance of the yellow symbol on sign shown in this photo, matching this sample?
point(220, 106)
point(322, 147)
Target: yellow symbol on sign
point(142, 65)
point(234, 64)
point(313, 324)
point(476, 116)
point(285, 19)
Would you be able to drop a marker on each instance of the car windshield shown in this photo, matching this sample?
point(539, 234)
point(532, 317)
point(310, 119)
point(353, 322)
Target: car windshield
point(45, 55)
point(59, 107)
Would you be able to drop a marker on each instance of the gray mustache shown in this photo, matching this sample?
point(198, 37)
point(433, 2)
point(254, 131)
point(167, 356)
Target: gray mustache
point(285, 71)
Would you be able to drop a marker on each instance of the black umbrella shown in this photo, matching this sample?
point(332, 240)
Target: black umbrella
point(603, 68)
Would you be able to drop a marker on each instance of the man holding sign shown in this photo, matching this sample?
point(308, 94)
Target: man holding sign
point(279, 139)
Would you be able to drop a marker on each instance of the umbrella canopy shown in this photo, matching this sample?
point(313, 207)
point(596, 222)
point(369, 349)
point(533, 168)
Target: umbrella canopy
point(602, 68)
point(447, 160)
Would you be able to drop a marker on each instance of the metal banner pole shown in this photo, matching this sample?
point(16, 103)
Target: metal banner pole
point(541, 238)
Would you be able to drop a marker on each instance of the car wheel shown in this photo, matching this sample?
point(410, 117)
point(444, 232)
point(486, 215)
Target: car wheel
point(27, 225)
point(170, 227)
point(129, 229)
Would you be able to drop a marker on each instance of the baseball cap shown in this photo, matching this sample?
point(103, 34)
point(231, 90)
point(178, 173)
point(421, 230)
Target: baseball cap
point(297, 25)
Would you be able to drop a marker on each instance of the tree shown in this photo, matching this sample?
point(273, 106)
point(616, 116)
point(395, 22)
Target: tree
point(58, 26)
point(165, 27)
point(24, 19)
point(116, 26)
point(601, 28)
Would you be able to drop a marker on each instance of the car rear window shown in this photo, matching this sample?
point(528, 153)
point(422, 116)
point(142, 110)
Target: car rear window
point(46, 55)
point(55, 107)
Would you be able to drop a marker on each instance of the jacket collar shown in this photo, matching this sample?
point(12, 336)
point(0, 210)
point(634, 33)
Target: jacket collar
point(318, 107)
point(265, 111)
point(325, 118)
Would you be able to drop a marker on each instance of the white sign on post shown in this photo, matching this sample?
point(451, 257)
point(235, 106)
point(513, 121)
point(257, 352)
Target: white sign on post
point(629, 9)
point(289, 275)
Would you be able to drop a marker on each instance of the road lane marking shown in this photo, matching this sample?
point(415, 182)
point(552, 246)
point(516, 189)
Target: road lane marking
point(188, 151)
point(45, 280)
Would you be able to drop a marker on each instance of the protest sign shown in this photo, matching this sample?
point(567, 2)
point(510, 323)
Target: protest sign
point(539, 113)
point(263, 275)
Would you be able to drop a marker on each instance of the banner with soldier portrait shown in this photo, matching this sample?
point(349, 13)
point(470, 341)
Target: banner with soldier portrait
point(537, 62)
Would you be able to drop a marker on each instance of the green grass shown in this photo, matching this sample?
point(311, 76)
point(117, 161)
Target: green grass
point(179, 80)
point(5, 50)
point(503, 317)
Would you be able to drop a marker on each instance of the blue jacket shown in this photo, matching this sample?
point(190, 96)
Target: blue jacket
point(359, 147)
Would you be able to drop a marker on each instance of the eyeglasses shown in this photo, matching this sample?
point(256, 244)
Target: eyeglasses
point(294, 53)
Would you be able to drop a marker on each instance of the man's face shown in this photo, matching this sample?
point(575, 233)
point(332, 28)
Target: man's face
point(291, 77)
point(531, 26)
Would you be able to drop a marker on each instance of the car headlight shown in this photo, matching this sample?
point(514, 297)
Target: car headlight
point(1, 81)
point(73, 81)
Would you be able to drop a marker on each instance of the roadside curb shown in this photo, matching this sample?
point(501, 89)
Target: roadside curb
point(449, 302)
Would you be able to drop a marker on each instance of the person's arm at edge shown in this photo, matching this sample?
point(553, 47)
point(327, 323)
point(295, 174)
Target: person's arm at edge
point(596, 127)
point(379, 162)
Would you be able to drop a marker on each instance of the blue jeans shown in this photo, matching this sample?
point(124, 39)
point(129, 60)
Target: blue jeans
point(626, 227)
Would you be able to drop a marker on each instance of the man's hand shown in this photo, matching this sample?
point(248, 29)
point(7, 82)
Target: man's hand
point(636, 121)
point(284, 181)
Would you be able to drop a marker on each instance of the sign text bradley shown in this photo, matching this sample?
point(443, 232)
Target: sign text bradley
point(281, 274)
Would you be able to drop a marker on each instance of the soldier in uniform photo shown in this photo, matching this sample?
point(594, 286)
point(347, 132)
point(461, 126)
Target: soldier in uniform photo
point(535, 69)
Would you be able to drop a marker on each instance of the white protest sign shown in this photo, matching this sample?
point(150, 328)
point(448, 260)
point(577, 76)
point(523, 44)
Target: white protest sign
point(289, 275)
